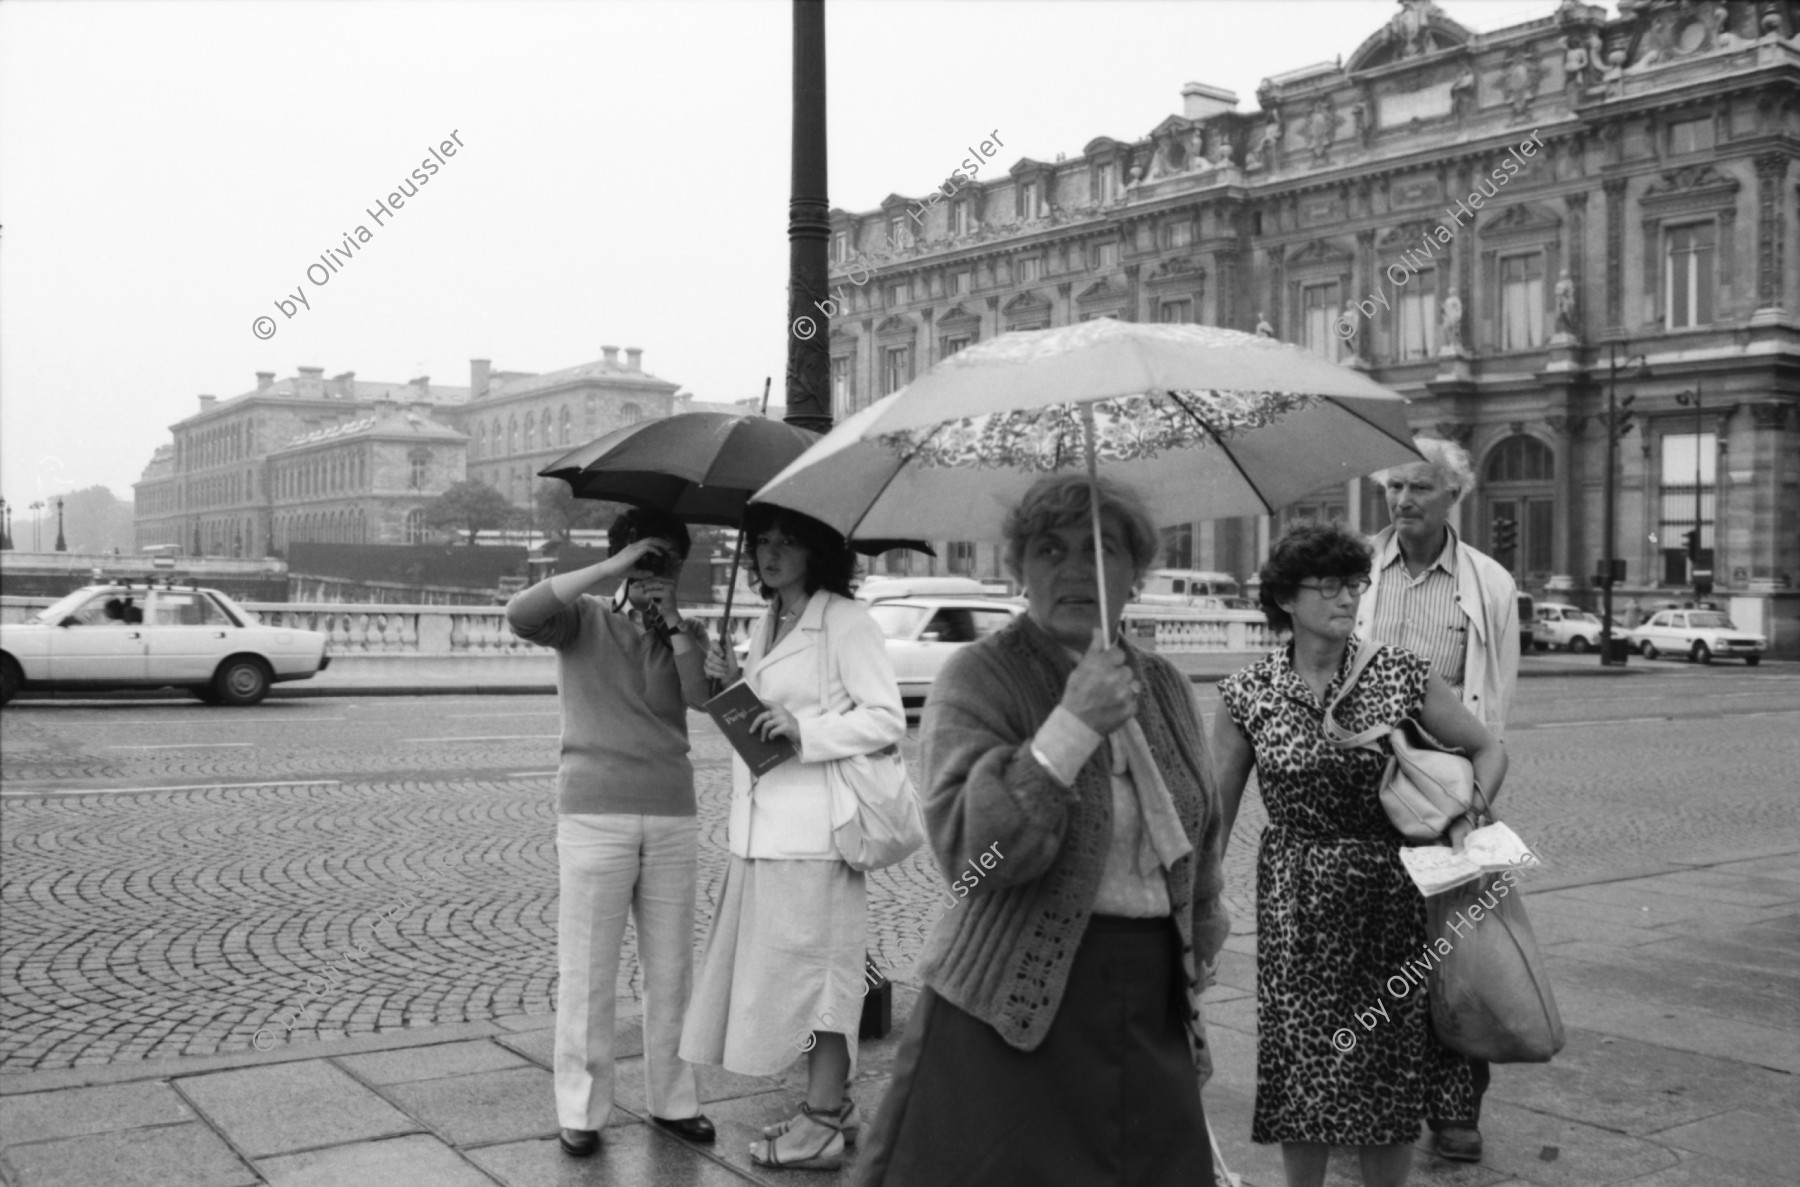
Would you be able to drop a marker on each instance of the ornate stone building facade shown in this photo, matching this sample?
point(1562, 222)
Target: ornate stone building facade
point(1484, 222)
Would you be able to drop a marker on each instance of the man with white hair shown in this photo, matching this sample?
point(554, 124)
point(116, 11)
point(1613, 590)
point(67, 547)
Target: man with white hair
point(1458, 609)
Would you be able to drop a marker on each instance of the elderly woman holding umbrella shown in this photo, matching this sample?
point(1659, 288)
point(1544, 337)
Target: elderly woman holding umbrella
point(1058, 1037)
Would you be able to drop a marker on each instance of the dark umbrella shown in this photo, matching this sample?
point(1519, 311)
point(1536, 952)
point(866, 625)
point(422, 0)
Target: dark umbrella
point(701, 467)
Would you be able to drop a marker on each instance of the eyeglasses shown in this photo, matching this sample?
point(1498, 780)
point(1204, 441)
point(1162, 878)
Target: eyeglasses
point(1331, 587)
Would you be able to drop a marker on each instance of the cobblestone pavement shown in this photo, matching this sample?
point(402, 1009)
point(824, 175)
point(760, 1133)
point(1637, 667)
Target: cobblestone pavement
point(178, 879)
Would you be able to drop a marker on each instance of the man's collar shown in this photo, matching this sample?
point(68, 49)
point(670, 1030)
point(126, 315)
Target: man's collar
point(1446, 560)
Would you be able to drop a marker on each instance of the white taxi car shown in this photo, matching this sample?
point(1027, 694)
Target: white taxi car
point(923, 632)
point(1565, 626)
point(139, 636)
point(1699, 635)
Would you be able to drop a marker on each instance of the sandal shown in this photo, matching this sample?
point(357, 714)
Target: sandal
point(829, 1156)
point(849, 1122)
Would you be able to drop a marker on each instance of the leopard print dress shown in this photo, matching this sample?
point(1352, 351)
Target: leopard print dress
point(1341, 1058)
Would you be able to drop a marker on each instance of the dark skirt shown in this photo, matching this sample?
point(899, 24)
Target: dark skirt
point(1111, 1096)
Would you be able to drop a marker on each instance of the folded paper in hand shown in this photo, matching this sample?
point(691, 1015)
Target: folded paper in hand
point(734, 710)
point(1437, 868)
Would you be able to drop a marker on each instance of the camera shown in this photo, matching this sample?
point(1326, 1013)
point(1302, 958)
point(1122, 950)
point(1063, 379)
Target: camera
point(653, 563)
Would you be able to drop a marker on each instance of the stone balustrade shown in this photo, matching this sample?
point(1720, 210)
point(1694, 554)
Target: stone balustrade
point(368, 629)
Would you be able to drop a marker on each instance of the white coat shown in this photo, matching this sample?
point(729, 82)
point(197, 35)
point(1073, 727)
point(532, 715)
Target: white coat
point(1488, 598)
point(786, 813)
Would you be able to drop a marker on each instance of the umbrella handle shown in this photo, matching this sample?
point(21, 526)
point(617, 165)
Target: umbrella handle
point(737, 557)
point(1087, 424)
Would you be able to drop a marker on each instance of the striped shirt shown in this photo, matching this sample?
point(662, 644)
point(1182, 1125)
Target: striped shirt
point(1421, 613)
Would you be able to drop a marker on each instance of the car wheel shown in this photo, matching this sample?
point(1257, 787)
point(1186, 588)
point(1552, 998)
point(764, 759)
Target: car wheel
point(205, 692)
point(1701, 654)
point(241, 681)
point(1647, 649)
point(1579, 645)
point(11, 679)
point(1537, 646)
point(1750, 661)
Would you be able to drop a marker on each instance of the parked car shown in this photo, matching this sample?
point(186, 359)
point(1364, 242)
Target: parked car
point(140, 636)
point(924, 632)
point(1699, 635)
point(1565, 626)
point(1188, 587)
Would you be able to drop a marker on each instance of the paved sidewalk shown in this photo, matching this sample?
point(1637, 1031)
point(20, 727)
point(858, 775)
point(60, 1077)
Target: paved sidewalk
point(1680, 988)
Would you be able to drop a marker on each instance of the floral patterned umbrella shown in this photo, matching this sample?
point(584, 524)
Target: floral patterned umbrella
point(1203, 422)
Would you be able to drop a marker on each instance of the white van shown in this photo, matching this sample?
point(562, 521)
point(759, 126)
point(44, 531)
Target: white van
point(1187, 587)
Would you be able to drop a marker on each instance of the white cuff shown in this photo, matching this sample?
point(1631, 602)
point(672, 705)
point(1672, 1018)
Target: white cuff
point(1062, 744)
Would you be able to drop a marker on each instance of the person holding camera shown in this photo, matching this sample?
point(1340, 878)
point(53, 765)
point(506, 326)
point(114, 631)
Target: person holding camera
point(628, 669)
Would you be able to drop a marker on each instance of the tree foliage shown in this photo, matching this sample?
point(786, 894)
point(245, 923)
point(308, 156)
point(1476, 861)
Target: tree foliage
point(473, 507)
point(561, 513)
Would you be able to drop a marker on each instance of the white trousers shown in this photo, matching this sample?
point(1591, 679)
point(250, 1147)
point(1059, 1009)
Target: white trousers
point(607, 864)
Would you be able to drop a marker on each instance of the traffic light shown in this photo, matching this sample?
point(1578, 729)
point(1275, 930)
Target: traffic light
point(1691, 538)
point(1505, 535)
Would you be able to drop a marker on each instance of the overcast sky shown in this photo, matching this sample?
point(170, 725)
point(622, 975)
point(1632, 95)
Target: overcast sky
point(169, 170)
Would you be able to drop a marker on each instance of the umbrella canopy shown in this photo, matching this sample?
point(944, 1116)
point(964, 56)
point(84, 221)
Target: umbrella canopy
point(1203, 422)
point(701, 467)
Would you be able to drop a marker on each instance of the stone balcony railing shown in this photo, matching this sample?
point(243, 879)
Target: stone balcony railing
point(362, 629)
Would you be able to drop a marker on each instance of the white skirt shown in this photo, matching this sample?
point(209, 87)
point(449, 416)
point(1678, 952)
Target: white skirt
point(784, 959)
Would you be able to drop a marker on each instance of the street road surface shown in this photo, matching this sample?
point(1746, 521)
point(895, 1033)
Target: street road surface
point(172, 876)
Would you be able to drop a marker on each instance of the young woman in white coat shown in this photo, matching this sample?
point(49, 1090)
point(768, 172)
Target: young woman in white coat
point(783, 967)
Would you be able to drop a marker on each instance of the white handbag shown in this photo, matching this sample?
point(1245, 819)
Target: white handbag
point(876, 821)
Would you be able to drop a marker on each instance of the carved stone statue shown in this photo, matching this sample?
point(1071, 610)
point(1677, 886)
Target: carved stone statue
point(1321, 128)
point(1263, 328)
point(1565, 305)
point(1450, 326)
point(1410, 29)
point(1462, 95)
point(1361, 126)
point(1575, 66)
point(1271, 138)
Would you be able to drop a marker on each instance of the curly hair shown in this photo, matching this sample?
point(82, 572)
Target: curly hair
point(829, 562)
point(1062, 501)
point(1308, 550)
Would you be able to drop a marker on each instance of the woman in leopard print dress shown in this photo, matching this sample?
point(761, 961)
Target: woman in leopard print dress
point(1341, 1059)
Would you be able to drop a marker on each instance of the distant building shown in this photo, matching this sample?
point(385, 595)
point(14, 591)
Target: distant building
point(350, 461)
point(518, 423)
point(1479, 221)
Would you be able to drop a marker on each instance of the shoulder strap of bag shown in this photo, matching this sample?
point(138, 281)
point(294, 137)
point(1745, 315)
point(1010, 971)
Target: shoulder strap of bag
point(1335, 733)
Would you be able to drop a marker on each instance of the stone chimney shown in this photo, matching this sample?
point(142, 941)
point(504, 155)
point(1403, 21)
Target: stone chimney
point(612, 355)
point(345, 385)
point(265, 380)
point(311, 385)
point(420, 392)
point(633, 357)
point(479, 372)
point(207, 402)
point(1200, 101)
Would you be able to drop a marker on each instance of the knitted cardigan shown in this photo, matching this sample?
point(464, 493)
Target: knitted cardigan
point(1005, 958)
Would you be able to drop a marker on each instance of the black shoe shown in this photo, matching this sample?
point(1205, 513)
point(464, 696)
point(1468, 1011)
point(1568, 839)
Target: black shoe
point(1459, 1143)
point(579, 1143)
point(695, 1129)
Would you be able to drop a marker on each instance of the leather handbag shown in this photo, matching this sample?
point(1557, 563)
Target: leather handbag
point(1490, 996)
point(1426, 785)
point(876, 821)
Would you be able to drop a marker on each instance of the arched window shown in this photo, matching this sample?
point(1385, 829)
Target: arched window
point(530, 431)
point(512, 434)
point(1521, 459)
point(630, 414)
point(480, 444)
point(415, 526)
point(494, 436)
point(563, 437)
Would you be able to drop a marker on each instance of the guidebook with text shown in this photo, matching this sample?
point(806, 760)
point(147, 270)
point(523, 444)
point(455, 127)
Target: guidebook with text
point(734, 710)
point(1437, 868)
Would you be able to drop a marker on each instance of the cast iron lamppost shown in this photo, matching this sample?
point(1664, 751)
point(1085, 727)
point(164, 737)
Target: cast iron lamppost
point(809, 230)
point(61, 544)
point(1618, 423)
point(1702, 578)
point(37, 526)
